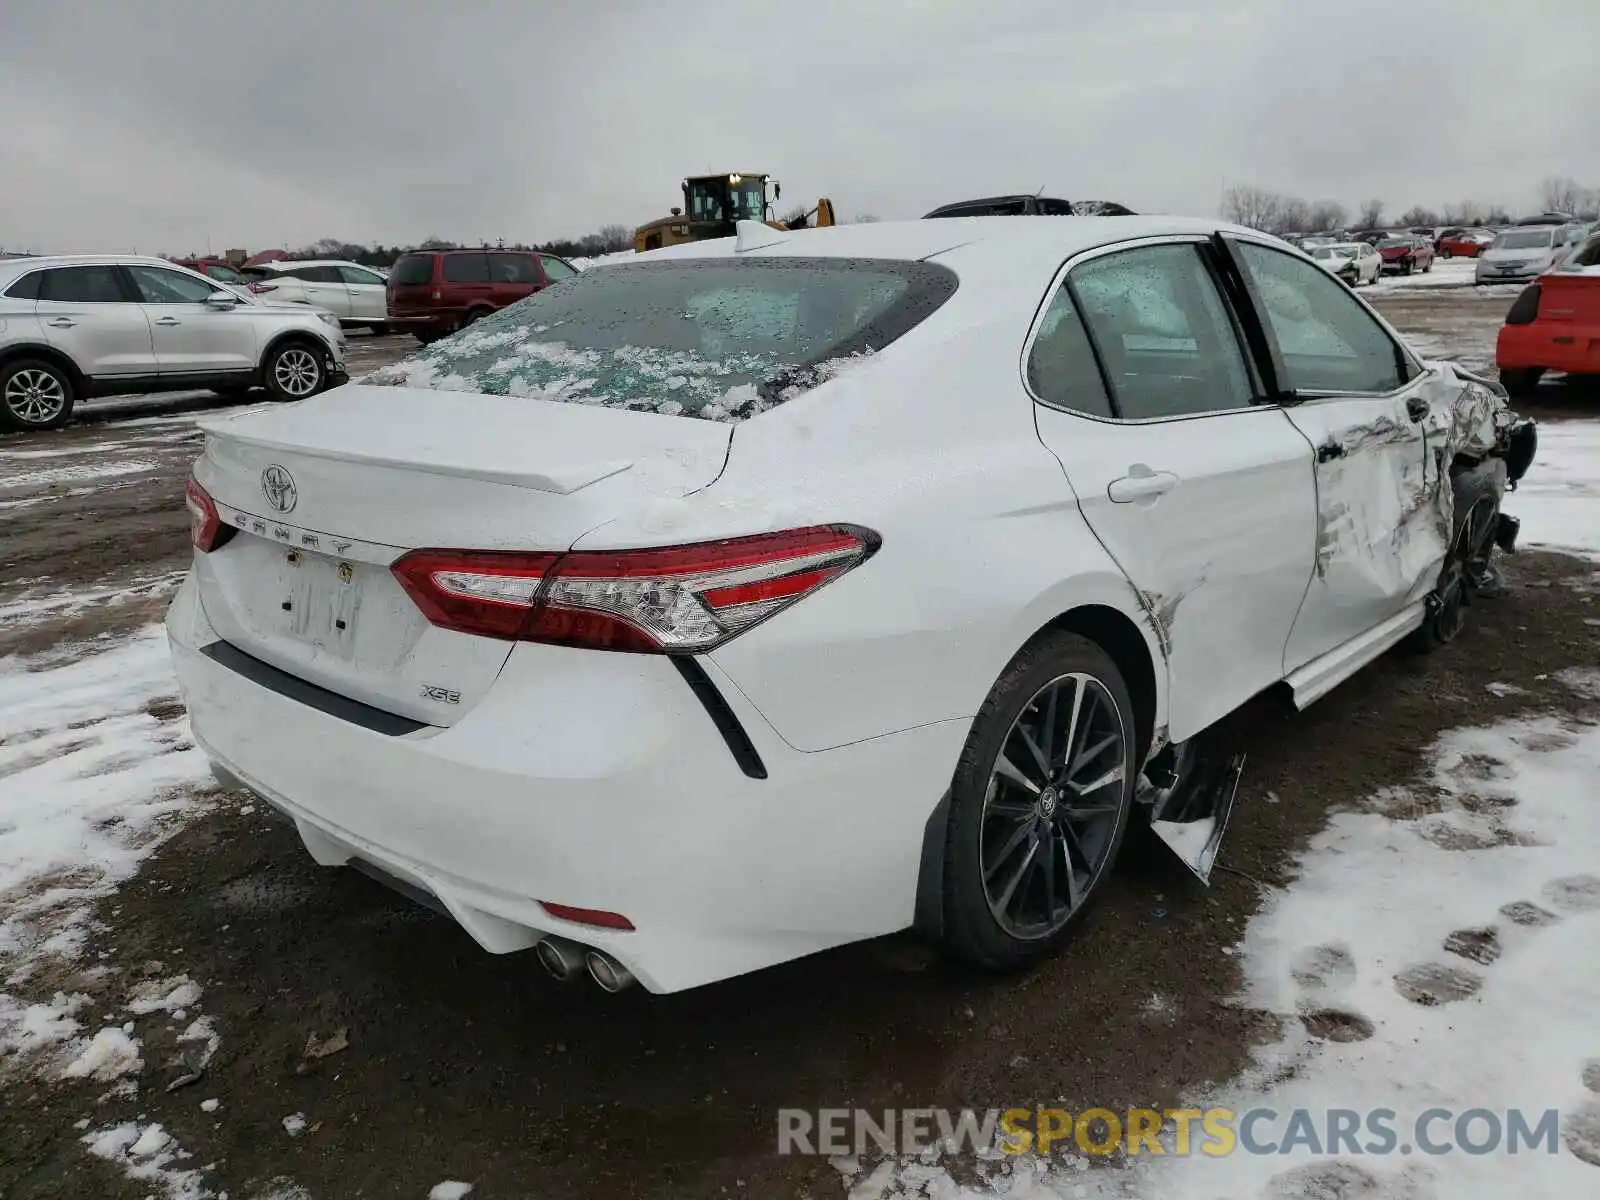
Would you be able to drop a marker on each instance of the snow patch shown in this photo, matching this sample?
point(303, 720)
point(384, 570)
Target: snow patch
point(148, 1153)
point(164, 995)
point(110, 1054)
point(1559, 498)
point(450, 1189)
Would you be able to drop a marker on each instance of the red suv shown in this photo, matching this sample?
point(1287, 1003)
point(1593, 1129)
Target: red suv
point(432, 293)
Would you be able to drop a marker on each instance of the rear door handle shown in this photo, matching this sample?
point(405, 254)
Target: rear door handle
point(168, 321)
point(1141, 485)
point(62, 323)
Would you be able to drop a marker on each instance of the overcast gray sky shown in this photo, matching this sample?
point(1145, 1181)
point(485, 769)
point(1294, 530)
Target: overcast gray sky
point(162, 124)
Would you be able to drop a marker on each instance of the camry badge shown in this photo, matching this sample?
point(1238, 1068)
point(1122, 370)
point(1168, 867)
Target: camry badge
point(277, 485)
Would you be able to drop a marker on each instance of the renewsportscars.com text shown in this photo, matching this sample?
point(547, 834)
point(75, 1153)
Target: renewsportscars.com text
point(1215, 1132)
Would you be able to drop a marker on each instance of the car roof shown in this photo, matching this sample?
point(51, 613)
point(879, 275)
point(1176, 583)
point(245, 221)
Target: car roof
point(15, 266)
point(1052, 237)
point(286, 264)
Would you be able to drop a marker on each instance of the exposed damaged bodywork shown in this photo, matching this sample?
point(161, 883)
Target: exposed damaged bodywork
point(1408, 491)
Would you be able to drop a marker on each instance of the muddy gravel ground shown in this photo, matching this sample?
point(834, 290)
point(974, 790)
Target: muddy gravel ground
point(466, 1066)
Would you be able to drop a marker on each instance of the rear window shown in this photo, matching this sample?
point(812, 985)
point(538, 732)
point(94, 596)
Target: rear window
point(713, 339)
point(413, 270)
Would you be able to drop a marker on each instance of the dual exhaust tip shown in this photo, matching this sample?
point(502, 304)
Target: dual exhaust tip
point(565, 960)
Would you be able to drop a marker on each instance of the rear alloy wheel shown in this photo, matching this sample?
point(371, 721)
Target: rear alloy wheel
point(1039, 803)
point(34, 395)
point(294, 371)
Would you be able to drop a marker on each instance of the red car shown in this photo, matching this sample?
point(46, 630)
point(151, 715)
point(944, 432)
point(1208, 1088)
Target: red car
point(1405, 253)
point(1554, 325)
point(433, 293)
point(1468, 243)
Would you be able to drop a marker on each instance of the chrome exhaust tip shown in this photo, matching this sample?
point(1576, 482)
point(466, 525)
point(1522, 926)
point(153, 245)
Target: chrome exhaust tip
point(606, 971)
point(563, 959)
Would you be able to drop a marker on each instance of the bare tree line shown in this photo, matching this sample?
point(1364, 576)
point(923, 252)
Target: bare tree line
point(1278, 212)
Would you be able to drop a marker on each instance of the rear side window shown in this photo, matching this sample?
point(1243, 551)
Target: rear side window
point(555, 268)
point(715, 339)
point(466, 268)
point(82, 285)
point(513, 268)
point(26, 288)
point(412, 270)
point(1061, 366)
point(316, 274)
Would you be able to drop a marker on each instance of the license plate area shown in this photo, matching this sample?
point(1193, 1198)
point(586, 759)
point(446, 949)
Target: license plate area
point(313, 598)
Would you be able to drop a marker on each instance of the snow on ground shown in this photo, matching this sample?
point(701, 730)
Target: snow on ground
point(36, 604)
point(600, 260)
point(1437, 950)
point(1558, 501)
point(1446, 273)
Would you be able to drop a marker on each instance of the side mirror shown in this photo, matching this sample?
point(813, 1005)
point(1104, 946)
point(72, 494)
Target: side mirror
point(222, 300)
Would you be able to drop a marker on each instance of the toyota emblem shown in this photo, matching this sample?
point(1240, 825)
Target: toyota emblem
point(277, 485)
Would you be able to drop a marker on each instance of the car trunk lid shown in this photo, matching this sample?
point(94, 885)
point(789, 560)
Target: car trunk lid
point(327, 493)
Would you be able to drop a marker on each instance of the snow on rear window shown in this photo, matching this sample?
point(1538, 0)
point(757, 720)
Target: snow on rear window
point(714, 339)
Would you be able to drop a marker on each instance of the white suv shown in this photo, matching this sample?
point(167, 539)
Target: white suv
point(355, 294)
point(74, 326)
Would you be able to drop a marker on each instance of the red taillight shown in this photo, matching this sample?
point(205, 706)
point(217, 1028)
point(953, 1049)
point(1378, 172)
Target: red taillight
point(679, 598)
point(263, 287)
point(206, 529)
point(597, 917)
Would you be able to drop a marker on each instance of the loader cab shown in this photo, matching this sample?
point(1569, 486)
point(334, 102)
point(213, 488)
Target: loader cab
point(722, 200)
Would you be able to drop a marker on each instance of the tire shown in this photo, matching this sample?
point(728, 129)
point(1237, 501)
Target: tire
point(1521, 382)
point(294, 370)
point(472, 315)
point(1473, 523)
point(1001, 849)
point(1446, 254)
point(381, 329)
point(1406, 266)
point(236, 394)
point(428, 336)
point(35, 394)
point(1428, 268)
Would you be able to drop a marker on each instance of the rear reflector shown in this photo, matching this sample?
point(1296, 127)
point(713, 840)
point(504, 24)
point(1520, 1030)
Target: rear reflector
point(206, 530)
point(597, 917)
point(684, 599)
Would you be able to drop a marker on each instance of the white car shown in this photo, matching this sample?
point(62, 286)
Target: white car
point(764, 594)
point(1524, 252)
point(357, 295)
point(1354, 262)
point(83, 325)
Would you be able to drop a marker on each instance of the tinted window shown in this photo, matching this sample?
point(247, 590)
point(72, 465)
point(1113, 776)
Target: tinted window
point(1327, 341)
point(82, 285)
point(413, 270)
point(1061, 367)
point(714, 339)
point(1164, 335)
point(159, 286)
point(513, 268)
point(359, 275)
point(555, 268)
point(466, 268)
point(316, 274)
point(26, 288)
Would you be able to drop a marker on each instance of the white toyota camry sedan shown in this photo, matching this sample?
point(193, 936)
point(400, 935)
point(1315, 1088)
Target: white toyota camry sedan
point(761, 595)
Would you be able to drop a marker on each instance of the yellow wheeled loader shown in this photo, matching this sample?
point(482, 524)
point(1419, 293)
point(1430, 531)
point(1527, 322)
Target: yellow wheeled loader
point(714, 204)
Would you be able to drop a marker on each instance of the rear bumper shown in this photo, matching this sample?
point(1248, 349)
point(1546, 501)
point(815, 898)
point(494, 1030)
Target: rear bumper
point(599, 781)
point(1554, 346)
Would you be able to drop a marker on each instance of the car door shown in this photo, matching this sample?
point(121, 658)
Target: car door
point(91, 314)
point(467, 283)
point(190, 336)
point(324, 288)
point(368, 293)
point(1368, 408)
point(1201, 492)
